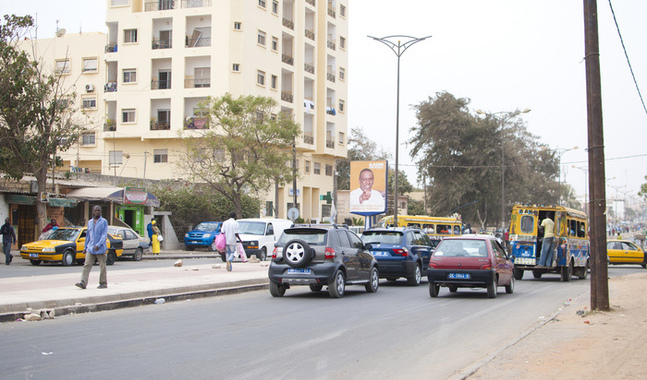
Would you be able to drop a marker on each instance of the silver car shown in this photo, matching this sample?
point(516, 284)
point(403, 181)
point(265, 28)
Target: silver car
point(134, 244)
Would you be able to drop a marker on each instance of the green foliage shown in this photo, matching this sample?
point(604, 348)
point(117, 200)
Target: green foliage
point(643, 190)
point(416, 207)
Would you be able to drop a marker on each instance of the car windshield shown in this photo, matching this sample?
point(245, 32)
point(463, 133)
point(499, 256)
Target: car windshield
point(251, 228)
point(461, 248)
point(68, 234)
point(207, 226)
point(310, 237)
point(382, 237)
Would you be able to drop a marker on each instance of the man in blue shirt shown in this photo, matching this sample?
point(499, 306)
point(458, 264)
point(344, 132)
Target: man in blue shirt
point(96, 248)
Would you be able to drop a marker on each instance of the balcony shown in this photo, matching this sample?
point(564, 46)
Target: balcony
point(310, 34)
point(110, 125)
point(160, 5)
point(311, 2)
point(160, 125)
point(308, 139)
point(197, 41)
point(330, 144)
point(110, 87)
point(196, 3)
point(197, 83)
point(288, 59)
point(331, 11)
point(160, 84)
point(161, 44)
point(330, 44)
point(331, 111)
point(288, 23)
point(111, 47)
point(287, 96)
point(194, 122)
point(330, 77)
point(309, 68)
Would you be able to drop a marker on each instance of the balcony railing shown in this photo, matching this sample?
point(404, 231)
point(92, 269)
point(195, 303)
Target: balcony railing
point(308, 139)
point(160, 125)
point(111, 47)
point(330, 44)
point(331, 111)
point(196, 3)
point(193, 122)
point(197, 83)
point(162, 44)
point(330, 144)
point(288, 59)
point(110, 125)
point(330, 77)
point(310, 34)
point(110, 87)
point(331, 12)
point(197, 42)
point(160, 5)
point(288, 23)
point(160, 84)
point(309, 68)
point(311, 2)
point(287, 96)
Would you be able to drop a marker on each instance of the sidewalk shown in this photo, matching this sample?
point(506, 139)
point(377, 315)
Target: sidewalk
point(129, 287)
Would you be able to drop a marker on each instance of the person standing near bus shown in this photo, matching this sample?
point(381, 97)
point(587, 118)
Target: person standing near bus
point(546, 257)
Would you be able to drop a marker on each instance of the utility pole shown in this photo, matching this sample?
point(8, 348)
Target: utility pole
point(598, 204)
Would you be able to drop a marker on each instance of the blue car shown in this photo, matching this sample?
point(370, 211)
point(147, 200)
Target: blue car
point(202, 236)
point(400, 252)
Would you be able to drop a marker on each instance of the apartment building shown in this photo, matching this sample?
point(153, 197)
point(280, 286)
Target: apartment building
point(140, 88)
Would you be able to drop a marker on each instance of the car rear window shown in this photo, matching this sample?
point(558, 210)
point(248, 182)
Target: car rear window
point(382, 237)
point(461, 248)
point(312, 237)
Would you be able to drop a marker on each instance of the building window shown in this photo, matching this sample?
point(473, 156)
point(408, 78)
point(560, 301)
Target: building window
point(342, 10)
point(128, 115)
point(88, 139)
point(90, 65)
point(275, 81)
point(275, 44)
point(160, 155)
point(275, 7)
point(342, 138)
point(115, 157)
point(130, 75)
point(307, 167)
point(260, 78)
point(202, 77)
point(341, 105)
point(342, 42)
point(326, 211)
point(89, 103)
point(269, 208)
point(261, 3)
point(317, 168)
point(63, 66)
point(238, 25)
point(329, 170)
point(118, 3)
point(342, 73)
point(235, 67)
point(261, 37)
point(130, 35)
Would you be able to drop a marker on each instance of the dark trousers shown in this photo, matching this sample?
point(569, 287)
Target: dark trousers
point(6, 247)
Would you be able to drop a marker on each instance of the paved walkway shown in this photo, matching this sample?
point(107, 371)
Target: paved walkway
point(128, 287)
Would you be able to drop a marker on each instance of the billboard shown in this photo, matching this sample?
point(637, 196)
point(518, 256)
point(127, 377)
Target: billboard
point(368, 183)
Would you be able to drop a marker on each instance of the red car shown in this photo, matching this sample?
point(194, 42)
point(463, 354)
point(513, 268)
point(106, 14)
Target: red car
point(470, 261)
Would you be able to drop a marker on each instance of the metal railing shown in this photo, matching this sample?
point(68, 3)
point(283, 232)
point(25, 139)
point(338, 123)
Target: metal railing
point(110, 125)
point(160, 84)
point(309, 139)
point(161, 44)
point(160, 5)
point(197, 42)
point(330, 144)
point(288, 23)
point(110, 87)
point(288, 59)
point(331, 12)
point(330, 77)
point(311, 2)
point(287, 96)
point(309, 68)
point(310, 34)
point(111, 47)
point(160, 125)
point(197, 83)
point(196, 3)
point(330, 44)
point(193, 122)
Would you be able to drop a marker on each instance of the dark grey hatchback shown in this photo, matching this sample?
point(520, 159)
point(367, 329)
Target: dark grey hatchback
point(322, 255)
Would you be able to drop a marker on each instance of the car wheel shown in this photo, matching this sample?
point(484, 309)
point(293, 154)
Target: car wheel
point(276, 290)
point(567, 272)
point(189, 248)
point(316, 287)
point(510, 288)
point(263, 254)
point(434, 289)
point(111, 258)
point(453, 288)
point(492, 288)
point(338, 285)
point(35, 262)
point(373, 281)
point(536, 274)
point(212, 246)
point(68, 258)
point(417, 276)
point(297, 253)
point(139, 253)
point(584, 272)
point(223, 257)
point(517, 273)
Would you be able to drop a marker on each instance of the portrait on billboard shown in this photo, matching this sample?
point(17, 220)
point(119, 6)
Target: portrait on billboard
point(368, 187)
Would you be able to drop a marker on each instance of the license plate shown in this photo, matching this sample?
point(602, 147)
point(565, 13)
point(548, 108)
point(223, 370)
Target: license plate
point(299, 271)
point(33, 255)
point(380, 253)
point(459, 276)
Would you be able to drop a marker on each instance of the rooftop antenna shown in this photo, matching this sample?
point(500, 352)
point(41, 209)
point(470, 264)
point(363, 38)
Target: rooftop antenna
point(59, 32)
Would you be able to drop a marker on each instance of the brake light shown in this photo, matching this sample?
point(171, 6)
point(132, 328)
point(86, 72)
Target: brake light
point(329, 253)
point(401, 252)
point(433, 265)
point(274, 253)
point(486, 266)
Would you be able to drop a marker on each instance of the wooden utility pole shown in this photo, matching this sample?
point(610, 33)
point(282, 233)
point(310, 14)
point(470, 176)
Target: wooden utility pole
point(597, 202)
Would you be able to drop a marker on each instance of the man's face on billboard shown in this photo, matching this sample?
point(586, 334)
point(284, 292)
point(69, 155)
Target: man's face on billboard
point(366, 180)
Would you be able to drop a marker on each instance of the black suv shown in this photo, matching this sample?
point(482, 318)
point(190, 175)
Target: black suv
point(321, 255)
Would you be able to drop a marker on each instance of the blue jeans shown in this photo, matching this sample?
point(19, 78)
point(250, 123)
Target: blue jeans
point(546, 257)
point(231, 252)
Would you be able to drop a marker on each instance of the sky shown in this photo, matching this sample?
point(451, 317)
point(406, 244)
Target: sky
point(504, 55)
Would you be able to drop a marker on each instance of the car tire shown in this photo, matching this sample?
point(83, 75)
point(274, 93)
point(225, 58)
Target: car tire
point(337, 286)
point(263, 254)
point(276, 290)
point(536, 274)
point(139, 253)
point(35, 262)
point(68, 258)
point(111, 258)
point(373, 281)
point(416, 278)
point(452, 288)
point(212, 246)
point(434, 289)
point(517, 273)
point(297, 253)
point(510, 288)
point(316, 287)
point(189, 248)
point(583, 272)
point(567, 272)
point(492, 288)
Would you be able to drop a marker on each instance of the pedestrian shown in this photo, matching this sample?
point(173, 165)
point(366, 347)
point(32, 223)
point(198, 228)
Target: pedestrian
point(96, 249)
point(155, 238)
point(8, 238)
point(230, 229)
point(546, 257)
point(149, 229)
point(50, 225)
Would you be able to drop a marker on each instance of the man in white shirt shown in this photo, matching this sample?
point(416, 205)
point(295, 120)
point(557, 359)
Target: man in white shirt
point(365, 195)
point(230, 229)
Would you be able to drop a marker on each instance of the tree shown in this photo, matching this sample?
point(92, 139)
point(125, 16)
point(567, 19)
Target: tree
point(36, 115)
point(643, 190)
point(244, 149)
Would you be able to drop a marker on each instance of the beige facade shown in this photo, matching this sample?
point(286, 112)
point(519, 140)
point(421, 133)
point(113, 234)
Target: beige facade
point(160, 59)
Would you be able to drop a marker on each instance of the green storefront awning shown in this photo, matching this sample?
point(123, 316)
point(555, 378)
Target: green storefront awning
point(20, 199)
point(62, 202)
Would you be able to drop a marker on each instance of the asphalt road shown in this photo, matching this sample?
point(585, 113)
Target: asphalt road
point(397, 332)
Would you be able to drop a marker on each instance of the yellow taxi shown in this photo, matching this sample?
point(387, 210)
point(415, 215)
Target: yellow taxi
point(66, 245)
point(625, 252)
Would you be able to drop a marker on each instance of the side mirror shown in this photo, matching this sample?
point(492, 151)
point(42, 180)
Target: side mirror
point(368, 246)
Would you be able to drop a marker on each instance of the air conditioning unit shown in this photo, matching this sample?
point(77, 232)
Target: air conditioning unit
point(89, 87)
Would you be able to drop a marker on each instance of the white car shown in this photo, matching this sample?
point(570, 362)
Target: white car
point(134, 244)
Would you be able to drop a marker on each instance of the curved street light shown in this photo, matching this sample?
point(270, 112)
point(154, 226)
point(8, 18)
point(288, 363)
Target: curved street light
point(398, 48)
point(560, 152)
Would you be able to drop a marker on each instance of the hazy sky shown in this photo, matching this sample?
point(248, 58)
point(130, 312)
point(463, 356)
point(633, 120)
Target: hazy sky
point(502, 54)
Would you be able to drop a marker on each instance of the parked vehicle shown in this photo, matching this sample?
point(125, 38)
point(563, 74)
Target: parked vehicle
point(570, 246)
point(202, 236)
point(434, 226)
point(471, 261)
point(259, 235)
point(66, 245)
point(625, 252)
point(322, 255)
point(134, 245)
point(400, 252)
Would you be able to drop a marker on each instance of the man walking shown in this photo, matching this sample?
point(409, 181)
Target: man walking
point(230, 229)
point(96, 248)
point(8, 238)
point(546, 257)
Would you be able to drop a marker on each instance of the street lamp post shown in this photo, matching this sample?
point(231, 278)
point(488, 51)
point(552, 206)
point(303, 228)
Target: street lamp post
point(560, 153)
point(398, 48)
point(503, 121)
point(586, 184)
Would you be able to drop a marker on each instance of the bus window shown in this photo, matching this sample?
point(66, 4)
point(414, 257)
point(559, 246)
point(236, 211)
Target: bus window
point(572, 227)
point(581, 229)
point(416, 225)
point(527, 224)
point(443, 229)
point(457, 230)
